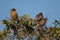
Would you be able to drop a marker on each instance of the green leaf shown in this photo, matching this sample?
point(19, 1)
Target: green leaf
point(4, 21)
point(30, 22)
point(26, 16)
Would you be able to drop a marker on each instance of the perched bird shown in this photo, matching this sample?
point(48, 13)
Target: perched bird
point(40, 20)
point(14, 14)
point(39, 16)
point(43, 21)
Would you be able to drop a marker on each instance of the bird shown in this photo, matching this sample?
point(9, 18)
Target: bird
point(14, 14)
point(43, 21)
point(39, 16)
point(40, 20)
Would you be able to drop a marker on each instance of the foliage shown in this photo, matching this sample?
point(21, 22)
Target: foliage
point(26, 28)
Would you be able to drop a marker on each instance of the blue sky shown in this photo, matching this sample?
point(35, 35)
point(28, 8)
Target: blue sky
point(50, 8)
